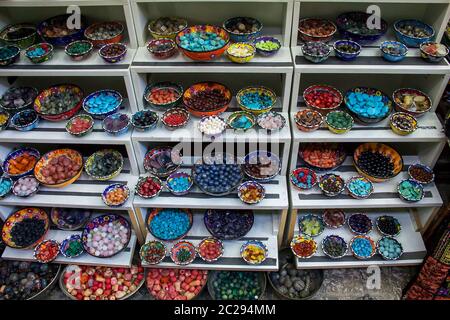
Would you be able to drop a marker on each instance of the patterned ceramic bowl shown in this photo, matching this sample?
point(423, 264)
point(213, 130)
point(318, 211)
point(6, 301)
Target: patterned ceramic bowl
point(57, 89)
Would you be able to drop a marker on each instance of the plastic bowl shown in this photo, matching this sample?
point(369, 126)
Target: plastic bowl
point(30, 126)
point(416, 113)
point(393, 57)
point(154, 87)
point(12, 58)
point(101, 115)
point(346, 23)
point(22, 35)
point(206, 86)
point(170, 35)
point(88, 33)
point(242, 37)
point(81, 55)
point(162, 48)
point(47, 55)
point(122, 48)
point(305, 36)
point(61, 22)
point(346, 56)
point(412, 41)
point(56, 90)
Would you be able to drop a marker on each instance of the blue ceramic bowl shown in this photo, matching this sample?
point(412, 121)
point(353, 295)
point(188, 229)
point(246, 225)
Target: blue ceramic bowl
point(346, 25)
point(115, 116)
point(113, 58)
point(177, 175)
point(7, 190)
point(14, 154)
point(65, 245)
point(29, 126)
point(429, 57)
point(12, 58)
point(238, 37)
point(316, 58)
point(102, 115)
point(267, 53)
point(112, 187)
point(346, 56)
point(357, 114)
point(411, 41)
point(64, 40)
point(392, 57)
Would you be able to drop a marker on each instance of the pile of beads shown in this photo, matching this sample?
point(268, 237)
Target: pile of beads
point(410, 190)
point(102, 102)
point(334, 246)
point(175, 284)
point(251, 192)
point(25, 186)
point(201, 41)
point(359, 187)
point(72, 246)
point(360, 223)
point(256, 100)
point(388, 226)
point(17, 97)
point(183, 253)
point(331, 184)
point(271, 121)
point(303, 178)
point(421, 173)
point(228, 224)
point(254, 252)
point(212, 125)
point(179, 183)
point(311, 225)
point(237, 285)
point(46, 251)
point(5, 186)
point(217, 178)
point(107, 238)
point(163, 95)
point(333, 218)
point(80, 124)
point(170, 224)
point(303, 247)
point(367, 105)
point(210, 249)
point(102, 283)
point(362, 247)
point(376, 164)
point(389, 248)
point(153, 252)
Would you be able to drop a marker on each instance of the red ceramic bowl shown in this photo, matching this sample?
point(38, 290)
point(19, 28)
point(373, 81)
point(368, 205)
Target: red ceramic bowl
point(100, 43)
point(52, 90)
point(202, 86)
point(203, 55)
point(317, 88)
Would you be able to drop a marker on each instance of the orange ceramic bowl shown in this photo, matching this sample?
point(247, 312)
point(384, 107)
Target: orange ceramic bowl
point(88, 33)
point(203, 55)
point(19, 216)
point(46, 158)
point(57, 89)
point(202, 86)
point(384, 149)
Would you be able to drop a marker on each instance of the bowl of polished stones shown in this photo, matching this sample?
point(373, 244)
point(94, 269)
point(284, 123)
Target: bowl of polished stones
point(261, 165)
point(59, 102)
point(16, 99)
point(403, 123)
point(388, 226)
point(166, 27)
point(331, 184)
point(311, 225)
point(102, 33)
point(411, 101)
point(334, 246)
point(421, 173)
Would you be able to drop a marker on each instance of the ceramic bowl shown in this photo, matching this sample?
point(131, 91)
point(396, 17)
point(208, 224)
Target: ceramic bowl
point(81, 55)
point(27, 127)
point(141, 180)
point(114, 38)
point(60, 21)
point(69, 219)
point(17, 153)
point(255, 243)
point(39, 247)
point(346, 23)
point(66, 243)
point(122, 48)
point(113, 187)
point(296, 183)
point(399, 107)
point(251, 50)
point(299, 239)
point(162, 48)
point(433, 57)
point(383, 232)
point(423, 167)
point(156, 34)
point(357, 256)
point(383, 255)
point(238, 114)
point(334, 177)
point(259, 187)
point(337, 223)
point(335, 129)
point(147, 126)
point(89, 162)
point(152, 213)
point(412, 41)
point(7, 190)
point(74, 155)
point(88, 100)
point(57, 89)
point(242, 219)
point(346, 56)
point(338, 149)
point(84, 132)
point(177, 175)
point(265, 52)
point(354, 195)
point(337, 239)
point(47, 55)
point(261, 117)
point(175, 111)
point(162, 161)
point(185, 246)
point(316, 58)
point(17, 217)
point(206, 86)
point(11, 108)
point(310, 217)
point(205, 242)
point(212, 134)
point(393, 57)
point(112, 117)
point(304, 126)
point(256, 90)
point(203, 55)
point(304, 35)
point(367, 119)
point(400, 131)
point(416, 185)
point(317, 88)
point(12, 58)
point(178, 89)
point(242, 37)
point(150, 245)
point(383, 149)
point(351, 224)
point(30, 192)
point(22, 35)
point(214, 292)
point(254, 159)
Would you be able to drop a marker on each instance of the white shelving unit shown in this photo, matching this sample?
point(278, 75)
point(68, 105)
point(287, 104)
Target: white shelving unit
point(273, 72)
point(371, 70)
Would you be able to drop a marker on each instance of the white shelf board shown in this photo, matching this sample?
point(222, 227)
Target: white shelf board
point(384, 196)
point(192, 133)
point(231, 259)
point(381, 1)
point(144, 62)
point(57, 3)
point(83, 193)
point(143, 1)
point(429, 130)
point(411, 240)
point(62, 64)
point(121, 260)
point(369, 62)
point(276, 198)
